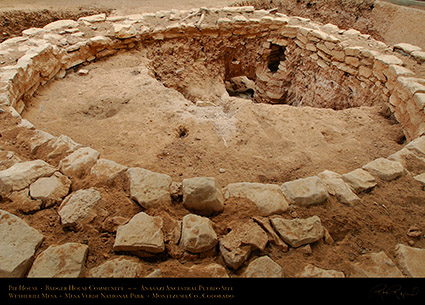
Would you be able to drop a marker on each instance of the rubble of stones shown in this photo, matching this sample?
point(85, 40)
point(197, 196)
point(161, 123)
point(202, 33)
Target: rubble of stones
point(57, 163)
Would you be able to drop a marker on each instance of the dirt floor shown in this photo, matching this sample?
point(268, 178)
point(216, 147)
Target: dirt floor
point(121, 110)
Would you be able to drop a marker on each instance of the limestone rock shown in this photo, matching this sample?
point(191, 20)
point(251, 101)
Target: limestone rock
point(417, 145)
point(336, 186)
point(359, 180)
point(18, 244)
point(78, 206)
point(52, 188)
point(8, 159)
point(105, 171)
point(21, 175)
point(124, 30)
point(203, 195)
point(143, 233)
point(385, 169)
point(265, 267)
point(375, 265)
point(411, 260)
point(149, 188)
point(298, 232)
point(121, 267)
point(311, 271)
point(63, 261)
point(273, 237)
point(62, 145)
point(61, 24)
point(408, 159)
point(268, 198)
point(420, 178)
point(25, 203)
point(79, 162)
point(236, 246)
point(305, 191)
point(198, 234)
point(406, 48)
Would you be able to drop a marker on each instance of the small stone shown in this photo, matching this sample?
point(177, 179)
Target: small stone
point(359, 180)
point(311, 271)
point(268, 198)
point(79, 162)
point(265, 224)
point(83, 72)
point(385, 169)
point(78, 207)
point(122, 267)
point(306, 191)
point(21, 175)
point(143, 233)
point(375, 265)
point(406, 48)
point(414, 232)
point(411, 260)
point(149, 188)
point(18, 244)
point(198, 234)
point(417, 146)
point(419, 56)
point(298, 232)
point(336, 186)
point(52, 188)
point(305, 249)
point(263, 267)
point(203, 195)
point(64, 261)
point(236, 246)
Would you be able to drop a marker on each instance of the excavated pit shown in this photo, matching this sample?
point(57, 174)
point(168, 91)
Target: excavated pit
point(218, 107)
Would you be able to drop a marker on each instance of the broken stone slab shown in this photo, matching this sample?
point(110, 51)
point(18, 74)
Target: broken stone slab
point(375, 265)
point(336, 186)
point(63, 261)
point(60, 25)
point(411, 260)
point(149, 188)
point(236, 246)
point(298, 232)
point(197, 234)
point(78, 207)
point(143, 233)
point(121, 267)
point(273, 237)
point(311, 271)
point(419, 56)
point(359, 180)
point(268, 198)
point(21, 175)
point(203, 195)
point(305, 191)
point(105, 171)
point(385, 169)
point(50, 189)
point(79, 162)
point(263, 267)
point(62, 145)
point(18, 244)
point(408, 159)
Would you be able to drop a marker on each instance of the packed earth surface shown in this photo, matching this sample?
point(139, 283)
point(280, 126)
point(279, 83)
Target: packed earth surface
point(254, 139)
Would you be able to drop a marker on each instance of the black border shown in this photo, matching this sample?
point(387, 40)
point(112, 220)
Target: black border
point(223, 291)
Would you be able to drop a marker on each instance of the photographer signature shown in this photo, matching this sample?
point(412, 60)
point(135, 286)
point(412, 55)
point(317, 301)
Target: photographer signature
point(394, 291)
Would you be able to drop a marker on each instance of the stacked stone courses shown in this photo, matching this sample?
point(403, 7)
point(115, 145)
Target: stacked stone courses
point(45, 54)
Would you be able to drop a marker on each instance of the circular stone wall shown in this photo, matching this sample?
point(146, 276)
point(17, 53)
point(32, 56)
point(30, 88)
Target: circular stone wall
point(60, 186)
